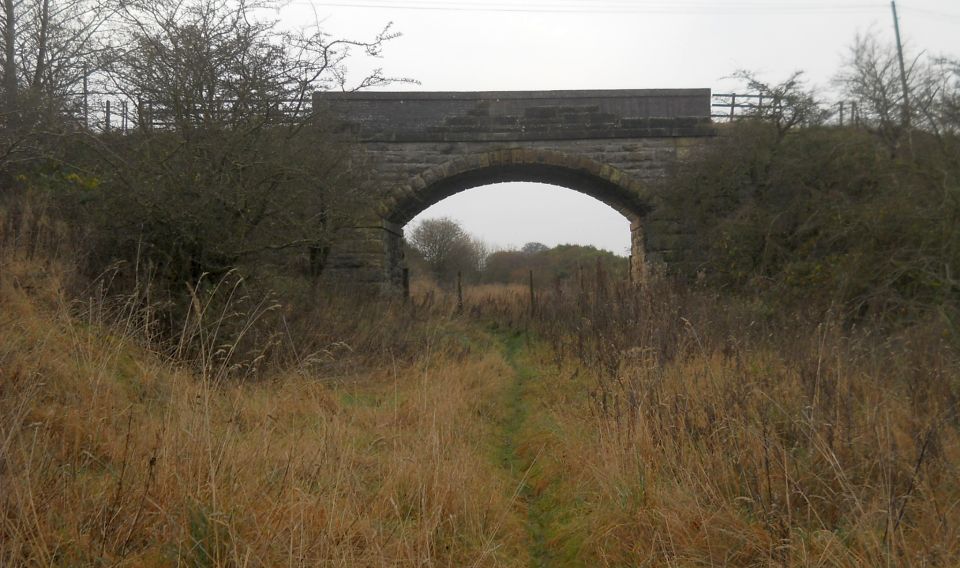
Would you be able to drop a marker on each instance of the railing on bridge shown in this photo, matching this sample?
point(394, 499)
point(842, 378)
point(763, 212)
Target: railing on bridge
point(115, 112)
point(729, 107)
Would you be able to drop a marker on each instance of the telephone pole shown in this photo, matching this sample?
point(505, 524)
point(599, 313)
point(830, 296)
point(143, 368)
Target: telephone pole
point(903, 71)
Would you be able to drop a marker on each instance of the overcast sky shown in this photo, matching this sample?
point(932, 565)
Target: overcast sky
point(477, 45)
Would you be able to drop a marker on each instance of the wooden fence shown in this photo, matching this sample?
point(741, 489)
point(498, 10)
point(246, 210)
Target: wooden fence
point(113, 112)
point(727, 107)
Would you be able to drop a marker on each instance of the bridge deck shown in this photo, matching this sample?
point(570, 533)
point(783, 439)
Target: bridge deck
point(505, 116)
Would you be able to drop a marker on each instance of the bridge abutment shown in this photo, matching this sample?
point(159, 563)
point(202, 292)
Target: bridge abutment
point(424, 147)
point(368, 257)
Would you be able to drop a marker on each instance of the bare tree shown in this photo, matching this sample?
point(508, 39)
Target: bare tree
point(223, 172)
point(447, 248)
point(10, 82)
point(48, 48)
point(787, 104)
point(951, 98)
point(938, 98)
point(214, 63)
point(871, 78)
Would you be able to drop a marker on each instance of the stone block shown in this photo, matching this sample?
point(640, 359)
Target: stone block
point(588, 165)
point(661, 241)
point(417, 183)
point(540, 112)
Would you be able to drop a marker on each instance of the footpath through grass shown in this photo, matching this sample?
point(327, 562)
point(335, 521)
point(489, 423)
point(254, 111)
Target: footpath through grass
point(484, 447)
point(528, 438)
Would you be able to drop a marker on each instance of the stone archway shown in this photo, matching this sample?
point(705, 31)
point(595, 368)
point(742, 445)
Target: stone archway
point(423, 147)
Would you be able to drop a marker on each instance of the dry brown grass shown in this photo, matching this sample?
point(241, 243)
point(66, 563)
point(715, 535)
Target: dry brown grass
point(676, 430)
point(114, 455)
point(728, 461)
point(111, 455)
point(606, 426)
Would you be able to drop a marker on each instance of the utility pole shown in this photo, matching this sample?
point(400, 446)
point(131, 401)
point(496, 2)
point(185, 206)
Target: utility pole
point(903, 71)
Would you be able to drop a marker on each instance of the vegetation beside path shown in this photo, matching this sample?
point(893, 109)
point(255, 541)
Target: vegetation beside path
point(602, 426)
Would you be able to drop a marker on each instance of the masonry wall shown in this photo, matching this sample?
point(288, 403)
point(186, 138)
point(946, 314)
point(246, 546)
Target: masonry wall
point(615, 145)
point(520, 116)
point(646, 160)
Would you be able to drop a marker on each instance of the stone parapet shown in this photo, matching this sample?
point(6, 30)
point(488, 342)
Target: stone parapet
point(521, 116)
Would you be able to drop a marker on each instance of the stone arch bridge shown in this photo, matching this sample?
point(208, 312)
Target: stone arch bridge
point(426, 146)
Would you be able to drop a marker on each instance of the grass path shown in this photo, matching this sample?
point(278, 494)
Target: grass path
point(518, 456)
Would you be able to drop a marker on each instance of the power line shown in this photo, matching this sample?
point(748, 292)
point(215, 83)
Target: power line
point(932, 13)
point(609, 7)
point(630, 7)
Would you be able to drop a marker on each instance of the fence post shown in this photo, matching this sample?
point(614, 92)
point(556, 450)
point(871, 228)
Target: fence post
point(601, 281)
point(123, 121)
point(841, 114)
point(533, 296)
point(106, 124)
point(459, 292)
point(733, 105)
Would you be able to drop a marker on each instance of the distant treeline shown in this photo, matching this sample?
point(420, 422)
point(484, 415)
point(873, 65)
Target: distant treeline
point(439, 249)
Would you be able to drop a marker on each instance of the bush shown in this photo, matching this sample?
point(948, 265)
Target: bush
point(825, 216)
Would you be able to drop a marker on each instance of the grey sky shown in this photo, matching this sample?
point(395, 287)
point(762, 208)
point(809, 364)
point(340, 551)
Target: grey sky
point(609, 44)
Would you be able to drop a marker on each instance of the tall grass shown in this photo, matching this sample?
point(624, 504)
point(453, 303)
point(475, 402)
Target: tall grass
point(710, 431)
point(115, 453)
point(593, 424)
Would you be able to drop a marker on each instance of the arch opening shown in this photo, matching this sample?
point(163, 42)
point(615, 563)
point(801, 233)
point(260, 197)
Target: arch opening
point(602, 182)
point(496, 234)
point(509, 215)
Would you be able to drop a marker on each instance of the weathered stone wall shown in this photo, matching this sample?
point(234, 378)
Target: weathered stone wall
point(642, 160)
point(521, 116)
point(424, 147)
